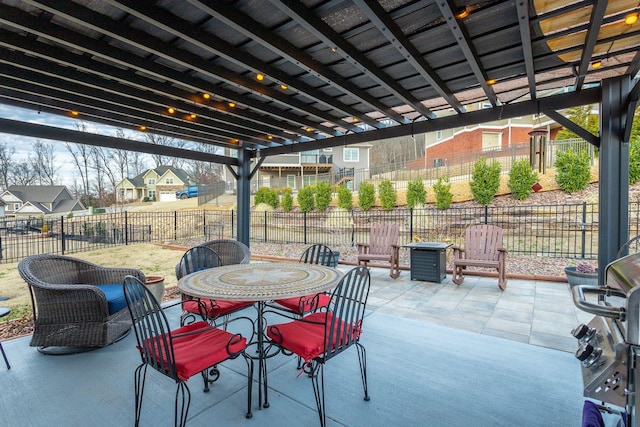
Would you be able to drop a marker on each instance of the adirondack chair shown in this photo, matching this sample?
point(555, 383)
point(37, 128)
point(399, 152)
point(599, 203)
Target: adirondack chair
point(483, 248)
point(383, 246)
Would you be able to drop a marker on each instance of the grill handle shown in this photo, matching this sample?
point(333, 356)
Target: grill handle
point(578, 293)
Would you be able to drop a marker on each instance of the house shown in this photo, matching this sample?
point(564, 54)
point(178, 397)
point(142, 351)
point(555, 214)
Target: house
point(297, 170)
point(24, 201)
point(454, 146)
point(159, 184)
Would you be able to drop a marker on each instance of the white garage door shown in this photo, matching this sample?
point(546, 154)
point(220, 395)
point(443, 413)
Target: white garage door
point(167, 196)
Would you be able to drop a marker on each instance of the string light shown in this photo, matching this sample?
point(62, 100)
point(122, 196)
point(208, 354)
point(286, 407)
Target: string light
point(171, 110)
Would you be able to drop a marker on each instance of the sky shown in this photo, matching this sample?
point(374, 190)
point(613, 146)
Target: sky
point(24, 145)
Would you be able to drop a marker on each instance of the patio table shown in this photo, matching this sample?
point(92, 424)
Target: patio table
point(260, 283)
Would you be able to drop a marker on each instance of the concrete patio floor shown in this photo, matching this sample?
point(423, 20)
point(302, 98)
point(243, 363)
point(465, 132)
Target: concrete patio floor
point(437, 355)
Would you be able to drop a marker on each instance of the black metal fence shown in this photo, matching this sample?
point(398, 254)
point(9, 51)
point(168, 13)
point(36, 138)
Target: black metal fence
point(569, 231)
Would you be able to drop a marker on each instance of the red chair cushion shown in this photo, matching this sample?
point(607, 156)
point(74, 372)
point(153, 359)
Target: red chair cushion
point(198, 346)
point(307, 339)
point(215, 308)
point(306, 303)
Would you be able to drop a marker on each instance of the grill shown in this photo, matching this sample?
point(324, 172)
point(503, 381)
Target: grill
point(609, 345)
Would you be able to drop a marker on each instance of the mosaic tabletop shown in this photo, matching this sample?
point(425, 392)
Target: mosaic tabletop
point(259, 282)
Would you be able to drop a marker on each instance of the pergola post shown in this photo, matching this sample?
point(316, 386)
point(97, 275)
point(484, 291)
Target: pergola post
point(613, 230)
point(243, 196)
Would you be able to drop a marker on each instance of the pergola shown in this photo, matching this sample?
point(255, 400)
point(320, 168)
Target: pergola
point(256, 78)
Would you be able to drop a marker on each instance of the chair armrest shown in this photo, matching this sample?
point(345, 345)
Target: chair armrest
point(457, 252)
point(105, 275)
point(363, 248)
point(504, 250)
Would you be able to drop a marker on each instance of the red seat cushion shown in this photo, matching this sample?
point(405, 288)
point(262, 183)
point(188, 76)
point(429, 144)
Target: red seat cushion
point(215, 308)
point(307, 304)
point(307, 339)
point(200, 347)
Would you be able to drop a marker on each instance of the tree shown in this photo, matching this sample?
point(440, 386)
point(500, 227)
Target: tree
point(43, 163)
point(581, 116)
point(160, 159)
point(23, 174)
point(81, 155)
point(416, 193)
point(6, 164)
point(485, 181)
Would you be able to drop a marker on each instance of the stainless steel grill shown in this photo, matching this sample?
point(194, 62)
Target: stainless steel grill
point(609, 345)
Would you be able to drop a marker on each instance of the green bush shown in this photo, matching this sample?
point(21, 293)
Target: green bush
point(444, 197)
point(387, 195)
point(268, 196)
point(521, 178)
point(416, 193)
point(306, 199)
point(634, 161)
point(323, 195)
point(345, 198)
point(287, 199)
point(366, 196)
point(573, 172)
point(485, 181)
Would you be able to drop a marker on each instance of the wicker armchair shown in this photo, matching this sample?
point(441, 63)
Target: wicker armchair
point(69, 310)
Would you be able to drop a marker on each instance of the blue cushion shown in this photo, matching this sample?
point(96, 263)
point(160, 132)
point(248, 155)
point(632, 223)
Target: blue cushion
point(115, 297)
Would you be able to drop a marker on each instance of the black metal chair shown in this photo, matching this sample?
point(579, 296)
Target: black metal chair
point(179, 354)
point(319, 336)
point(196, 259)
point(315, 254)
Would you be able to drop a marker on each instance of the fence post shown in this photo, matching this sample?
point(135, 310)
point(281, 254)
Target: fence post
point(410, 224)
point(486, 214)
point(64, 244)
point(126, 229)
point(304, 227)
point(232, 223)
point(175, 225)
point(265, 226)
point(583, 226)
point(204, 223)
point(353, 228)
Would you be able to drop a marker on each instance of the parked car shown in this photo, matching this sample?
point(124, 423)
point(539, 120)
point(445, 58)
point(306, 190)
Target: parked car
point(190, 191)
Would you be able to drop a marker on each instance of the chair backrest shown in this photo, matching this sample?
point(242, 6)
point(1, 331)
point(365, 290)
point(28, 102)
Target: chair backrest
point(348, 303)
point(318, 254)
point(196, 259)
point(482, 242)
point(230, 251)
point(381, 237)
point(151, 327)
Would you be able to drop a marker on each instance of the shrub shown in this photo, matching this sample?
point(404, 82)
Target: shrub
point(268, 196)
point(387, 195)
point(444, 197)
point(416, 193)
point(287, 199)
point(634, 161)
point(345, 198)
point(323, 195)
point(305, 199)
point(485, 181)
point(521, 178)
point(366, 196)
point(573, 172)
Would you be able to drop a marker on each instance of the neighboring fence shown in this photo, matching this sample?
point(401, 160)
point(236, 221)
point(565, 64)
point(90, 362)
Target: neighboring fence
point(569, 231)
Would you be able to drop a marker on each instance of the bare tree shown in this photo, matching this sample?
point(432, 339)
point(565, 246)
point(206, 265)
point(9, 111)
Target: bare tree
point(205, 172)
point(159, 159)
point(6, 163)
point(119, 160)
point(43, 163)
point(22, 174)
point(81, 155)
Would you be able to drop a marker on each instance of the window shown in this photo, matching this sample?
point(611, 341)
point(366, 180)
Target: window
point(152, 194)
point(16, 206)
point(151, 181)
point(308, 180)
point(291, 181)
point(168, 181)
point(351, 154)
point(438, 135)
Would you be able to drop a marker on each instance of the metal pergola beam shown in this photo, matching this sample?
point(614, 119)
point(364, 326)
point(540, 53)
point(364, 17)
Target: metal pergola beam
point(325, 33)
point(597, 14)
point(252, 29)
point(58, 134)
point(396, 37)
point(540, 105)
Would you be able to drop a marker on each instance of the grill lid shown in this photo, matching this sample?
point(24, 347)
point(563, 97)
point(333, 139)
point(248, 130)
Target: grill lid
point(624, 273)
